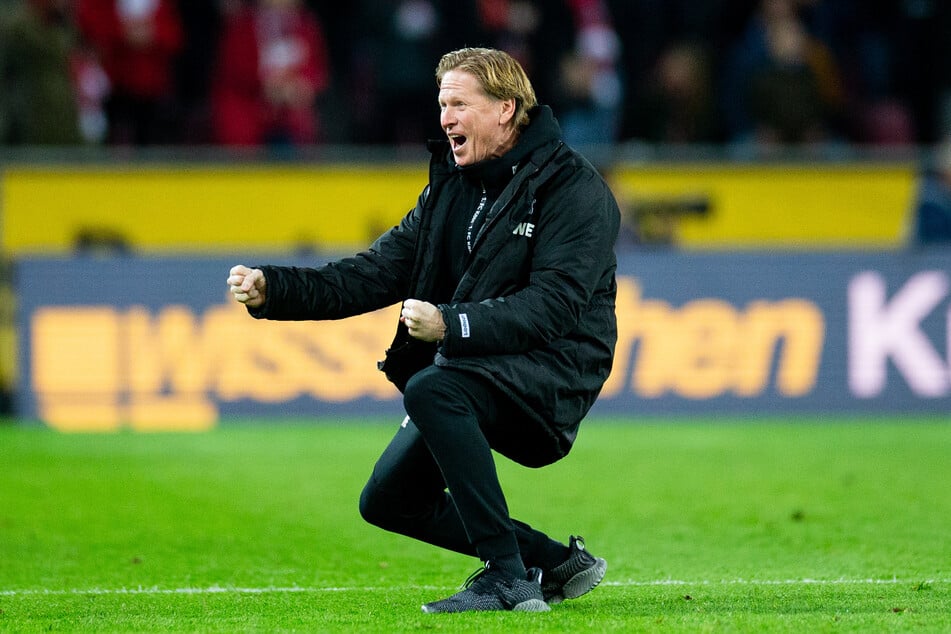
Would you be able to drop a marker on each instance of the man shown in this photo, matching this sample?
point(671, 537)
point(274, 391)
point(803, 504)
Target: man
point(505, 268)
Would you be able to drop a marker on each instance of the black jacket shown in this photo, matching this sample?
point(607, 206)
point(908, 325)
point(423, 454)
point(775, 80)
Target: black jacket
point(534, 311)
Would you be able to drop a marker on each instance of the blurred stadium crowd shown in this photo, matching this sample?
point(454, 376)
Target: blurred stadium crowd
point(734, 73)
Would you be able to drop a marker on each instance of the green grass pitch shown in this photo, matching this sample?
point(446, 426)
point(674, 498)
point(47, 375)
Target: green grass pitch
point(776, 525)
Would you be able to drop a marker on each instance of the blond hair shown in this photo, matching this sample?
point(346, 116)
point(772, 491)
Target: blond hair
point(499, 74)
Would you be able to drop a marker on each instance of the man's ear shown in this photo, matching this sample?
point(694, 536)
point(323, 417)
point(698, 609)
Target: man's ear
point(506, 111)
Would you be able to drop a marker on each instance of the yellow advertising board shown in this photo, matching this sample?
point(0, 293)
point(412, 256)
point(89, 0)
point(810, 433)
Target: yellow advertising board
point(238, 209)
point(206, 208)
point(842, 206)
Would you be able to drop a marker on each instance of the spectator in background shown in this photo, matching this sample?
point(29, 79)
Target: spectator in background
point(676, 104)
point(864, 36)
point(534, 34)
point(342, 25)
point(649, 29)
point(782, 85)
point(589, 107)
point(195, 68)
point(92, 89)
point(933, 205)
point(37, 100)
point(272, 64)
point(137, 42)
point(399, 42)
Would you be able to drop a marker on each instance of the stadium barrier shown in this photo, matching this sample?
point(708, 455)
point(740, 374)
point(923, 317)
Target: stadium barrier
point(98, 202)
point(155, 343)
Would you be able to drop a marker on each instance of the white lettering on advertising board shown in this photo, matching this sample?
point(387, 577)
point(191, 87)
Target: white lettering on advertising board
point(883, 330)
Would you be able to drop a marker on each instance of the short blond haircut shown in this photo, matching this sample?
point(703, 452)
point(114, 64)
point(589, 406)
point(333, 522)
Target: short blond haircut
point(499, 74)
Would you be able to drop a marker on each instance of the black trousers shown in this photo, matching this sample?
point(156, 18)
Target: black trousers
point(454, 421)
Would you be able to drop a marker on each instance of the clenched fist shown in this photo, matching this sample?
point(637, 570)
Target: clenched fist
point(247, 285)
point(423, 320)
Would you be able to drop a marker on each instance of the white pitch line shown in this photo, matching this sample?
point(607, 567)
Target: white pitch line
point(317, 590)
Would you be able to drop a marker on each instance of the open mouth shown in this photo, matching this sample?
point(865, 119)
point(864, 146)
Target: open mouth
point(456, 141)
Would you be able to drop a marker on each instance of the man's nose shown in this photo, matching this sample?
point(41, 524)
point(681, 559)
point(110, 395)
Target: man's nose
point(446, 119)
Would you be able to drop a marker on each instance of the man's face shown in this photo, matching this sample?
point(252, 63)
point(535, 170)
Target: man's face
point(479, 127)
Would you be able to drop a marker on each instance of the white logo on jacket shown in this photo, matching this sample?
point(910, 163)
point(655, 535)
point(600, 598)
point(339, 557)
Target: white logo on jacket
point(524, 229)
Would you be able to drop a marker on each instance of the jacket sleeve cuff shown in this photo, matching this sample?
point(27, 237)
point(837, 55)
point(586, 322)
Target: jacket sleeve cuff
point(451, 321)
point(262, 311)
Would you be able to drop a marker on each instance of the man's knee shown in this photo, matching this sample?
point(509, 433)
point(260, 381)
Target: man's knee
point(391, 511)
point(424, 391)
point(434, 392)
point(374, 505)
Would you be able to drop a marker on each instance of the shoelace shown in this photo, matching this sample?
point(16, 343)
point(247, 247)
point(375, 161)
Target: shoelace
point(475, 579)
point(475, 575)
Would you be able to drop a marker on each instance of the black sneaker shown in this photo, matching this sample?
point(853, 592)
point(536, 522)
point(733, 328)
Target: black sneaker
point(578, 575)
point(493, 589)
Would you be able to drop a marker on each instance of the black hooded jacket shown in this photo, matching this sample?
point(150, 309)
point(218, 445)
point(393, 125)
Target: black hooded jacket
point(534, 309)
